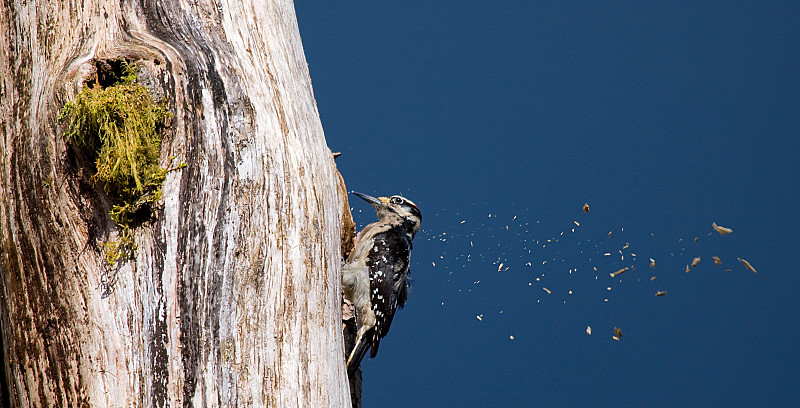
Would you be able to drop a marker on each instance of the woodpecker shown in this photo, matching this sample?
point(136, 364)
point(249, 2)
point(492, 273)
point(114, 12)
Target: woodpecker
point(375, 277)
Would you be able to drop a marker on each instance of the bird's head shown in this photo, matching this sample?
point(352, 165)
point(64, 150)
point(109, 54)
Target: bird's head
point(396, 208)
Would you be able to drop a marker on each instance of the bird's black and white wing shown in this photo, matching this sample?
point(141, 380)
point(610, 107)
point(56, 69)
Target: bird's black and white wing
point(388, 263)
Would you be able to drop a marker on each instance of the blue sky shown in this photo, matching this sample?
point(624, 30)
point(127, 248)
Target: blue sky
point(663, 117)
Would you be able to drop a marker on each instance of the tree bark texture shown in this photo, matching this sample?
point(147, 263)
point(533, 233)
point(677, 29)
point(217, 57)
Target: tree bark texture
point(233, 296)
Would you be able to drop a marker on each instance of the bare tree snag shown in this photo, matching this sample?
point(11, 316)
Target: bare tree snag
point(233, 295)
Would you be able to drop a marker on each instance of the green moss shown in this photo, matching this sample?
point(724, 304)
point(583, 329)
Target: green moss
point(119, 128)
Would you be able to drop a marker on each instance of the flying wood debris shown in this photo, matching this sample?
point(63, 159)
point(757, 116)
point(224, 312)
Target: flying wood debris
point(652, 263)
point(547, 290)
point(652, 278)
point(589, 330)
point(617, 334)
point(747, 265)
point(661, 293)
point(721, 230)
point(717, 261)
point(613, 274)
point(695, 262)
point(586, 207)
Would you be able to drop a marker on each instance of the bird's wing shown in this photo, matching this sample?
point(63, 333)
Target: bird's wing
point(388, 263)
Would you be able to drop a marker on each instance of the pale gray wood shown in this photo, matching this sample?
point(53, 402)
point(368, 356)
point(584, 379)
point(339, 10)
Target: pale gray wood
point(233, 298)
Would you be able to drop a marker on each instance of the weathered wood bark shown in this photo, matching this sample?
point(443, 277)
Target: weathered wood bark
point(349, 329)
point(233, 296)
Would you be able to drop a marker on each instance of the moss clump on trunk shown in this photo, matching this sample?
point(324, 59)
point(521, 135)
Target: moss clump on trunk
point(119, 127)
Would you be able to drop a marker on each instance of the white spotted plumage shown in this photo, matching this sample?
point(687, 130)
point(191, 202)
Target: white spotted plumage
point(375, 277)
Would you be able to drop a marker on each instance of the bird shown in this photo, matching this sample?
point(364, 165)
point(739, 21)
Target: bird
point(375, 275)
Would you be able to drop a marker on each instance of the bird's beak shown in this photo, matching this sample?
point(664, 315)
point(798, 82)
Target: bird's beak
point(376, 202)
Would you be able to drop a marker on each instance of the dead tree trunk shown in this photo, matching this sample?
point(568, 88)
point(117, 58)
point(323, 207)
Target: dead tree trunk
point(233, 295)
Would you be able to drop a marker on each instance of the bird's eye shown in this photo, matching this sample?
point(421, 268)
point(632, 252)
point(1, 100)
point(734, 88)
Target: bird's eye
point(397, 200)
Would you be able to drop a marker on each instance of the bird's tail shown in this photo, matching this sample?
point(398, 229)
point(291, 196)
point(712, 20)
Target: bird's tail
point(358, 353)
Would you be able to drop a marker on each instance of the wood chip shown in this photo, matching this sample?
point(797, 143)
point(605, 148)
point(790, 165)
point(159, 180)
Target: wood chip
point(747, 265)
point(717, 261)
point(661, 293)
point(617, 333)
point(720, 229)
point(687, 268)
point(695, 262)
point(480, 317)
point(652, 278)
point(652, 263)
point(547, 290)
point(586, 207)
point(613, 274)
point(589, 330)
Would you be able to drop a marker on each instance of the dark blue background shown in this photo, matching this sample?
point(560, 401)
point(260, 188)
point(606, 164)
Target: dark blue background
point(663, 117)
